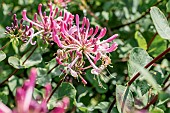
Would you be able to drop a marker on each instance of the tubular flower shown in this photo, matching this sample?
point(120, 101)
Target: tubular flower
point(47, 24)
point(25, 103)
point(82, 42)
point(17, 29)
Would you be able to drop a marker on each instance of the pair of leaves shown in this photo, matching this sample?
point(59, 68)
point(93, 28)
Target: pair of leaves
point(17, 63)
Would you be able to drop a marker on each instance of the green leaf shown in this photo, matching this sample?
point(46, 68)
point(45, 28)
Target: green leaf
point(140, 40)
point(35, 59)
point(42, 77)
point(2, 56)
point(82, 107)
point(56, 71)
point(3, 97)
point(143, 86)
point(156, 110)
point(14, 82)
point(105, 15)
point(25, 2)
point(124, 99)
point(66, 89)
point(158, 77)
point(15, 43)
point(140, 57)
point(160, 22)
point(163, 98)
point(2, 31)
point(168, 6)
point(23, 47)
point(103, 106)
point(15, 62)
point(146, 75)
point(158, 46)
point(4, 74)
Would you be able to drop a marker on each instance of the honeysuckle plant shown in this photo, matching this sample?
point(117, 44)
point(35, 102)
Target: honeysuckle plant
point(84, 56)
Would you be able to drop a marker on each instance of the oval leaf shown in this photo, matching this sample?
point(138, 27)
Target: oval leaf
point(140, 57)
point(35, 59)
point(160, 22)
point(15, 62)
point(140, 40)
point(2, 56)
point(124, 99)
point(42, 77)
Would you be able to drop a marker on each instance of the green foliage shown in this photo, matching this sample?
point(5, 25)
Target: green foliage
point(158, 46)
point(141, 40)
point(2, 56)
point(160, 22)
point(17, 63)
point(42, 77)
point(124, 98)
point(140, 57)
point(66, 89)
point(143, 35)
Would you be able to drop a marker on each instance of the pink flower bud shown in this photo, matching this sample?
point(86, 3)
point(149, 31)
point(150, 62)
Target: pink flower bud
point(24, 15)
point(112, 48)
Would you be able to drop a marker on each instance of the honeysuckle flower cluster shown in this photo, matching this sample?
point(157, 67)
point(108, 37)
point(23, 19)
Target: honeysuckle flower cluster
point(18, 30)
point(77, 43)
point(47, 24)
point(25, 103)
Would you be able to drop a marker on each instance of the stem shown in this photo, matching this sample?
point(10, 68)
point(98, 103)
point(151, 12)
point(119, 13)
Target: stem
point(165, 88)
point(59, 83)
point(148, 65)
point(52, 69)
point(4, 46)
point(15, 71)
point(166, 80)
point(154, 99)
point(30, 54)
point(138, 74)
point(150, 42)
point(112, 104)
point(134, 21)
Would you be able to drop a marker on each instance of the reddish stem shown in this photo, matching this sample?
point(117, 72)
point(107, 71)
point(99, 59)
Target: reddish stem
point(148, 65)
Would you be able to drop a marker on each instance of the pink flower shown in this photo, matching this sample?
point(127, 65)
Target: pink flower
point(25, 103)
point(47, 24)
point(62, 105)
point(82, 42)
